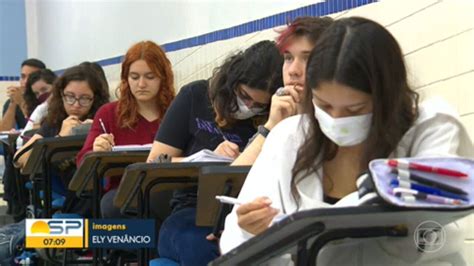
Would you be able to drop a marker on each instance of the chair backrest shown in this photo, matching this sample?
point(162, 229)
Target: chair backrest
point(213, 181)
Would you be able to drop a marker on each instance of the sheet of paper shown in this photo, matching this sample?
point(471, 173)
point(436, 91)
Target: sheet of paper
point(206, 156)
point(132, 147)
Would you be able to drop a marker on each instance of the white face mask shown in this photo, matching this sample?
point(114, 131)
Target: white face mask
point(244, 112)
point(345, 131)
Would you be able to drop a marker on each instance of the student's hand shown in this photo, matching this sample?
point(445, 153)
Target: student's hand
point(68, 123)
point(229, 149)
point(285, 105)
point(87, 121)
point(103, 142)
point(255, 217)
point(15, 94)
point(212, 237)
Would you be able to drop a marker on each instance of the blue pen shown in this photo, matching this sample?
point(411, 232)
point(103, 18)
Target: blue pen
point(407, 175)
point(426, 189)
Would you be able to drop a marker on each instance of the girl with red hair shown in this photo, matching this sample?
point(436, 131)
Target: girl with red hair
point(146, 90)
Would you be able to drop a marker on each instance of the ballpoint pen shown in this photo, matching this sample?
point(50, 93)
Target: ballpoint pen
point(222, 133)
point(428, 190)
point(229, 200)
point(102, 125)
point(403, 164)
point(400, 192)
point(407, 175)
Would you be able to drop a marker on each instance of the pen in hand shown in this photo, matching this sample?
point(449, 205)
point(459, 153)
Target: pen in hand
point(234, 201)
point(222, 133)
point(109, 137)
point(229, 200)
point(102, 126)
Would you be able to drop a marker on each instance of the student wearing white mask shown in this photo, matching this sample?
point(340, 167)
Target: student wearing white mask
point(358, 107)
point(221, 115)
point(295, 43)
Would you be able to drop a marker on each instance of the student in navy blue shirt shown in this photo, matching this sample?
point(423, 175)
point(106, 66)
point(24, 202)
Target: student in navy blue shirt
point(219, 114)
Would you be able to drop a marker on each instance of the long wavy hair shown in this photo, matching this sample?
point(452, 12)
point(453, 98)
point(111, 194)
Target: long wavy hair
point(159, 64)
point(57, 112)
point(31, 101)
point(361, 54)
point(259, 67)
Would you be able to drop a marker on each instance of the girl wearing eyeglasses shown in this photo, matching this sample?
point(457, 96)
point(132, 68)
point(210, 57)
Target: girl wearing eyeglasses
point(145, 92)
point(76, 96)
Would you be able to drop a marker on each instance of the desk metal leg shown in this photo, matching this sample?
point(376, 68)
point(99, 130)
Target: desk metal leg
point(97, 188)
point(145, 211)
point(302, 253)
point(223, 210)
point(47, 190)
point(143, 252)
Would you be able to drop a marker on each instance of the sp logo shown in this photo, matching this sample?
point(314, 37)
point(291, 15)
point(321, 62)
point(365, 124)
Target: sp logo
point(59, 227)
point(55, 226)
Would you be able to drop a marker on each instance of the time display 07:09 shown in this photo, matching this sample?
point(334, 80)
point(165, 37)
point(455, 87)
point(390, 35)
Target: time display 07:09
point(54, 241)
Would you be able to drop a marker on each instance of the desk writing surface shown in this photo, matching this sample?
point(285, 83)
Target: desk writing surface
point(152, 171)
point(282, 235)
point(60, 147)
point(110, 163)
point(212, 182)
point(9, 137)
point(9, 141)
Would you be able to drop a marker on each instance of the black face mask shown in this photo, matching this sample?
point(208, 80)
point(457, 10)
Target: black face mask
point(43, 97)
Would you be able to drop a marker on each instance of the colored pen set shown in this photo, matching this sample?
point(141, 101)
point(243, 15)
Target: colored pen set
point(402, 164)
point(411, 186)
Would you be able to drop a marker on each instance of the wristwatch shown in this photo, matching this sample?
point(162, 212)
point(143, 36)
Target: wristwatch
point(262, 130)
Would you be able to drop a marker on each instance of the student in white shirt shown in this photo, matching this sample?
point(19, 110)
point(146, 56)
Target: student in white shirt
point(359, 107)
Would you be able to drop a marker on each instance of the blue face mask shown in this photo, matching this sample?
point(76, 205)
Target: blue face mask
point(244, 112)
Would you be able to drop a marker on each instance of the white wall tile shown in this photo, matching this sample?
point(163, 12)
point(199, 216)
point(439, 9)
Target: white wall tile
point(457, 91)
point(387, 12)
point(432, 24)
point(443, 60)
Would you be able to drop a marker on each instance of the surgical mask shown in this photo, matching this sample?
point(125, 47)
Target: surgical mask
point(344, 131)
point(244, 112)
point(43, 97)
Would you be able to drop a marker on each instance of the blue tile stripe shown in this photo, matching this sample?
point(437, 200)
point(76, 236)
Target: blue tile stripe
point(319, 9)
point(9, 78)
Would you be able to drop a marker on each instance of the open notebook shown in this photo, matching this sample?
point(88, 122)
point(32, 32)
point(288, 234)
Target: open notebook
point(132, 147)
point(206, 156)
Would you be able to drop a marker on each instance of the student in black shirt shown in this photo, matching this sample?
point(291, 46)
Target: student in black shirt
point(219, 114)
